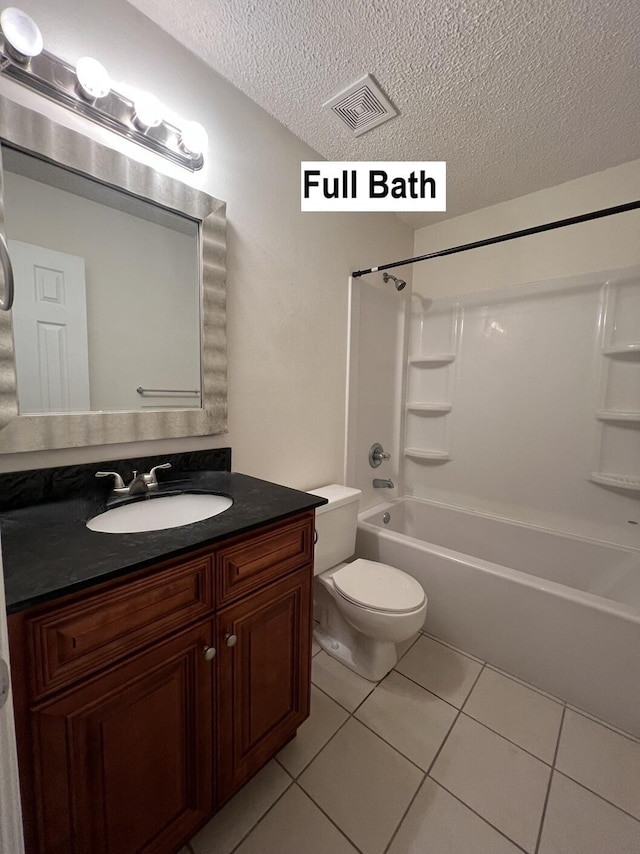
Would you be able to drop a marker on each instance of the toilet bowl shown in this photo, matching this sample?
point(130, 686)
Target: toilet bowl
point(360, 623)
point(363, 608)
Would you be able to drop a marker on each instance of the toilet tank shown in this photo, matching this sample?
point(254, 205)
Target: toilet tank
point(336, 524)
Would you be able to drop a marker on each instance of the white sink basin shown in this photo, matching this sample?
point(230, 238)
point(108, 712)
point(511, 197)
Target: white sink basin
point(156, 514)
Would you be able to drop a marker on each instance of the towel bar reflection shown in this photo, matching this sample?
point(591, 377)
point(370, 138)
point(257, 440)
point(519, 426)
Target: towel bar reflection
point(189, 391)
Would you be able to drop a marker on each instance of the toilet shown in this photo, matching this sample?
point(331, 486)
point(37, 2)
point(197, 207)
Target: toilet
point(363, 608)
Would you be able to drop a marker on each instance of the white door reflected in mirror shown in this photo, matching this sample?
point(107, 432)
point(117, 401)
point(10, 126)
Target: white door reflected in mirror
point(50, 330)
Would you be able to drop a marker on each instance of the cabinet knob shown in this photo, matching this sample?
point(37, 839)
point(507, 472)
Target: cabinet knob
point(209, 653)
point(230, 640)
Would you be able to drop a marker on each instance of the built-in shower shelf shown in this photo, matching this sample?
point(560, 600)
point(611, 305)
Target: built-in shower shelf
point(424, 454)
point(618, 415)
point(631, 348)
point(432, 359)
point(618, 480)
point(435, 408)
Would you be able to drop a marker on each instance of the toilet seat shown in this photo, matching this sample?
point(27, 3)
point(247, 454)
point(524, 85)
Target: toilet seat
point(379, 587)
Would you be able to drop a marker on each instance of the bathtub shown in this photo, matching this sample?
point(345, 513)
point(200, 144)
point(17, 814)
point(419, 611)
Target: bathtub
point(557, 611)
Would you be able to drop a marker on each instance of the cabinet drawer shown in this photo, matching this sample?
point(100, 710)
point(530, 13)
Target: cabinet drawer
point(71, 641)
point(254, 560)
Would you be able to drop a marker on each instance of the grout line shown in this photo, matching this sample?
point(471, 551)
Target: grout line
point(557, 750)
point(328, 817)
point(262, 817)
point(557, 770)
point(411, 645)
point(485, 820)
point(433, 693)
point(506, 738)
point(337, 702)
point(454, 648)
point(524, 684)
point(318, 752)
point(546, 798)
point(471, 690)
point(348, 670)
point(453, 723)
point(392, 746)
point(459, 711)
point(617, 730)
point(326, 744)
point(404, 815)
point(598, 795)
point(433, 761)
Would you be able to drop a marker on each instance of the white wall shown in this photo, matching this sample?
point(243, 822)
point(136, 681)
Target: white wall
point(522, 432)
point(287, 271)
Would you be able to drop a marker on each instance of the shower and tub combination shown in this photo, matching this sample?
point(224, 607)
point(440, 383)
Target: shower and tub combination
point(515, 457)
point(560, 612)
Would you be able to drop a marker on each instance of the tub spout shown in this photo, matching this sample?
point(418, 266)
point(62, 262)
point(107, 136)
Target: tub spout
point(382, 483)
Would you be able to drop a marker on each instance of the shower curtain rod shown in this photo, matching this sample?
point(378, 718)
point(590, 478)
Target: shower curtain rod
point(512, 235)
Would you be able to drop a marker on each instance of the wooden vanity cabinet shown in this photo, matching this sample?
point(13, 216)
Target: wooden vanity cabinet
point(123, 764)
point(264, 677)
point(131, 730)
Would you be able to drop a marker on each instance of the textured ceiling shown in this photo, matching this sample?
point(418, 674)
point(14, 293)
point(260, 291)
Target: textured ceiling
point(516, 95)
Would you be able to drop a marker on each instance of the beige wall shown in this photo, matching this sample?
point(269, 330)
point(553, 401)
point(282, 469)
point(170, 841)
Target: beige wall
point(598, 245)
point(287, 271)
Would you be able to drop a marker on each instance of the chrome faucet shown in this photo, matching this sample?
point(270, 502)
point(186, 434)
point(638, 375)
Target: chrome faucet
point(140, 483)
point(151, 479)
point(380, 483)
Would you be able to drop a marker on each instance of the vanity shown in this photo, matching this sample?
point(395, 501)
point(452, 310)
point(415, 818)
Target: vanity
point(154, 673)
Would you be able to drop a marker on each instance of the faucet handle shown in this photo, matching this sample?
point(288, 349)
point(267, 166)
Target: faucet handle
point(377, 454)
point(118, 481)
point(151, 479)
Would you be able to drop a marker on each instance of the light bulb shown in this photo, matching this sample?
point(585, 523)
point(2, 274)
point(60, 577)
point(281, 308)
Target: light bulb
point(93, 78)
point(194, 138)
point(147, 111)
point(23, 39)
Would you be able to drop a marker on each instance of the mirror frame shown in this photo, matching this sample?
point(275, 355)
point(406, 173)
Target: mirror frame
point(36, 134)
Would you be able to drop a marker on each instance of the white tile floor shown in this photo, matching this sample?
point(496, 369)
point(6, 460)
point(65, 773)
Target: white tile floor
point(445, 756)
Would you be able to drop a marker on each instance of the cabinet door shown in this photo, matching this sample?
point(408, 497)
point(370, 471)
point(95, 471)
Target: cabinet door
point(263, 677)
point(124, 764)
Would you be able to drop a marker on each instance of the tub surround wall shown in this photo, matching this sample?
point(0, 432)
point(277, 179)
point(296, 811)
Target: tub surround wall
point(526, 381)
point(378, 324)
point(513, 413)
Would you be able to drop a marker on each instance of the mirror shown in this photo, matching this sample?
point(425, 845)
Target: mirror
point(119, 318)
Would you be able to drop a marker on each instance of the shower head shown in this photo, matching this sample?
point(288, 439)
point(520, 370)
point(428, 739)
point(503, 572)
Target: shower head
point(399, 283)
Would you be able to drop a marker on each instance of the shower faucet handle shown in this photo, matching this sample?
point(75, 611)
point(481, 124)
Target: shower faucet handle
point(377, 454)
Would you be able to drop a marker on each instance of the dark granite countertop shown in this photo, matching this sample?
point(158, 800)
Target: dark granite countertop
point(48, 552)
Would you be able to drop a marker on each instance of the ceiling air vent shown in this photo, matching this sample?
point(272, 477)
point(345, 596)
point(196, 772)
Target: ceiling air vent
point(361, 106)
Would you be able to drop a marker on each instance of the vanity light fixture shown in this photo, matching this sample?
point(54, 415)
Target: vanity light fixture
point(23, 39)
point(194, 138)
point(86, 89)
point(93, 78)
point(147, 111)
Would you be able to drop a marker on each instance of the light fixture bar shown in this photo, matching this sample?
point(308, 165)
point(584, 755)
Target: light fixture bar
point(56, 79)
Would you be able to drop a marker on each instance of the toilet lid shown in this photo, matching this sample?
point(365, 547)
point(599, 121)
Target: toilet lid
point(378, 586)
